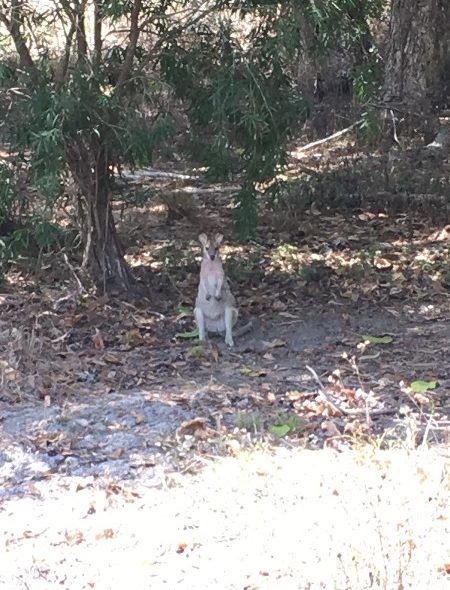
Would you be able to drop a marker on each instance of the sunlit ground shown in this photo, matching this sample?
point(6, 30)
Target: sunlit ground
point(289, 519)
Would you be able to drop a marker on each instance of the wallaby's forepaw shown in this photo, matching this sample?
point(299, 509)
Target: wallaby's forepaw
point(218, 297)
point(208, 297)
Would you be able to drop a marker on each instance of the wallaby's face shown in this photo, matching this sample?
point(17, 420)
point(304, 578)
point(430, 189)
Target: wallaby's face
point(210, 246)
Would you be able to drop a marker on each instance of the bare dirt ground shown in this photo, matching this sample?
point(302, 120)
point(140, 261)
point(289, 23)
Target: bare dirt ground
point(130, 455)
point(289, 518)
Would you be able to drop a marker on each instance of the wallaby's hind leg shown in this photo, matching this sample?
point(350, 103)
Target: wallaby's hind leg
point(200, 320)
point(230, 319)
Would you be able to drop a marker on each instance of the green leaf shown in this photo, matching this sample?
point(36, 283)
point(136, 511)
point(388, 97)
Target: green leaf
point(253, 372)
point(184, 310)
point(376, 339)
point(423, 386)
point(187, 335)
point(196, 351)
point(279, 430)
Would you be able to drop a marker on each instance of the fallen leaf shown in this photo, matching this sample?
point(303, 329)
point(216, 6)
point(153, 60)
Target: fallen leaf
point(279, 430)
point(366, 216)
point(276, 343)
point(197, 427)
point(97, 340)
point(187, 335)
point(139, 418)
point(215, 354)
point(196, 351)
point(132, 337)
point(294, 395)
point(105, 534)
point(253, 371)
point(423, 386)
point(278, 306)
point(330, 428)
point(382, 263)
point(398, 277)
point(233, 446)
point(74, 537)
point(113, 359)
point(117, 453)
point(376, 339)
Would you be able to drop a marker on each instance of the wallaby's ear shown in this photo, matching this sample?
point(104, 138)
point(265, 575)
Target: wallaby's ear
point(218, 239)
point(203, 239)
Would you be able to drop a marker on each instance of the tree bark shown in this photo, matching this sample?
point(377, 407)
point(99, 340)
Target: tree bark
point(417, 51)
point(124, 74)
point(98, 40)
point(14, 24)
point(103, 254)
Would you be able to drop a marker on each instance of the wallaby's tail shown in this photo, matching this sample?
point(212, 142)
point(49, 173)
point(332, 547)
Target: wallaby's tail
point(244, 329)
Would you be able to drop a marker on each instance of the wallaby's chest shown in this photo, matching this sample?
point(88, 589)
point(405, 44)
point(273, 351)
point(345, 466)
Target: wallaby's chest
point(211, 272)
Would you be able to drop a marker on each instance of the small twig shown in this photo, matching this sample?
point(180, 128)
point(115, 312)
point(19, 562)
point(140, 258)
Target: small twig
point(291, 322)
point(62, 337)
point(369, 357)
point(426, 431)
point(391, 107)
point(341, 410)
point(302, 168)
point(394, 126)
point(333, 406)
point(77, 278)
point(147, 311)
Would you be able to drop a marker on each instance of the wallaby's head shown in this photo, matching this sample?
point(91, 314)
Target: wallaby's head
point(210, 246)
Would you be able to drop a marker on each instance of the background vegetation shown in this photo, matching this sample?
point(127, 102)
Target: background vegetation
point(90, 89)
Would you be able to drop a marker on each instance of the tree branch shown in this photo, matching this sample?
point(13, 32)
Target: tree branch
point(81, 32)
point(132, 43)
point(97, 36)
point(13, 25)
point(60, 75)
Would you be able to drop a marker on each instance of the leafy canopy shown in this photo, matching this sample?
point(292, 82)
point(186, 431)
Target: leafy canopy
point(228, 65)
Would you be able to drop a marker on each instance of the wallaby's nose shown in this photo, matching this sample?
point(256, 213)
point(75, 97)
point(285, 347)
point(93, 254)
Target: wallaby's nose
point(212, 256)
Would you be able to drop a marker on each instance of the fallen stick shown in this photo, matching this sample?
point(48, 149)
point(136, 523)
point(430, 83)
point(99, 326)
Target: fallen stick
point(336, 135)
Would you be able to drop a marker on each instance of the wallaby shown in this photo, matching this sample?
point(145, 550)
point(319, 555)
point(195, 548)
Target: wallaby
point(215, 306)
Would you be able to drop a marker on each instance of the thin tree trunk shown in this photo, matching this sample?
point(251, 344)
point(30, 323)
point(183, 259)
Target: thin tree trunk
point(103, 254)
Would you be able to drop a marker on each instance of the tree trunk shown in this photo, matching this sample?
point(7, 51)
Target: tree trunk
point(103, 253)
point(417, 59)
point(417, 52)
